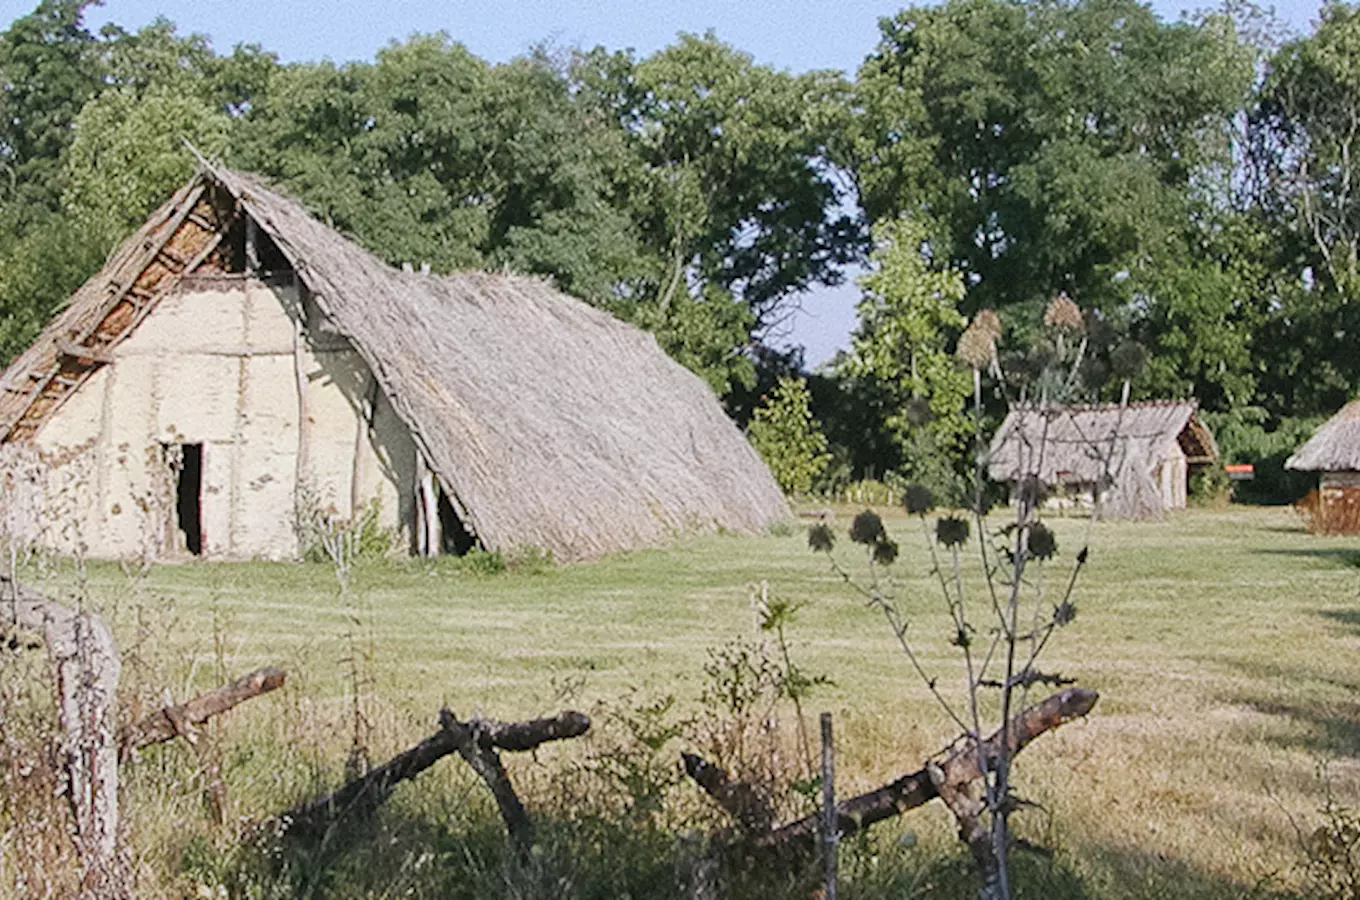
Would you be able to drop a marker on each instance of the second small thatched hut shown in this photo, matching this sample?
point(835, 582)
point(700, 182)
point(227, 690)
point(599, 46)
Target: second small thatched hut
point(1128, 460)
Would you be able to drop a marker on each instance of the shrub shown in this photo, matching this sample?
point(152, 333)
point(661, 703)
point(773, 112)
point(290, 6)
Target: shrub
point(1246, 435)
point(364, 537)
point(1209, 486)
point(1336, 513)
point(1331, 853)
point(788, 438)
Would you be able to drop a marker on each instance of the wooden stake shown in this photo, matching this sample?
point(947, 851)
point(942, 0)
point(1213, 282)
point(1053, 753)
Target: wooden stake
point(830, 834)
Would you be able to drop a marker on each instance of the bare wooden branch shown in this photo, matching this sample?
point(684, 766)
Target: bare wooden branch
point(87, 668)
point(170, 722)
point(956, 772)
point(361, 796)
point(524, 736)
point(475, 745)
point(959, 768)
point(742, 801)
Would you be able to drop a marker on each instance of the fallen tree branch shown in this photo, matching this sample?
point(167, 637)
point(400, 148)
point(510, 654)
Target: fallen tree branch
point(87, 667)
point(179, 720)
point(475, 743)
point(361, 796)
point(958, 770)
point(741, 800)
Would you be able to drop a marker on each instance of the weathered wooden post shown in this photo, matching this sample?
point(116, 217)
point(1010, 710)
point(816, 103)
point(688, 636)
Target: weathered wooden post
point(829, 824)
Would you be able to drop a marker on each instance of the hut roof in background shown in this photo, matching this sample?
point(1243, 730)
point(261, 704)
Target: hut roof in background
point(549, 423)
point(1335, 447)
point(1082, 444)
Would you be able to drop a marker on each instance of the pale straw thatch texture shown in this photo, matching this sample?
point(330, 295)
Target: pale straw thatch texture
point(1335, 447)
point(549, 423)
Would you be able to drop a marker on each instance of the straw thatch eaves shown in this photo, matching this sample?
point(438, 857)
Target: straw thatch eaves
point(1137, 453)
point(1335, 447)
point(548, 423)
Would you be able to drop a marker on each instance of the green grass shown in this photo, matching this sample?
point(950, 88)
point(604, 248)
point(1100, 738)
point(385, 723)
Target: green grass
point(1223, 643)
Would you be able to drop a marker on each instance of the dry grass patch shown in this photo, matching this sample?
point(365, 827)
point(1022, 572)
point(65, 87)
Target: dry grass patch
point(1223, 643)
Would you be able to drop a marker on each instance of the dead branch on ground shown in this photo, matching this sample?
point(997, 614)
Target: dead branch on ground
point(476, 741)
point(180, 720)
point(954, 775)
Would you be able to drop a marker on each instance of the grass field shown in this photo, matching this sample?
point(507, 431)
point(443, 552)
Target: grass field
point(1223, 643)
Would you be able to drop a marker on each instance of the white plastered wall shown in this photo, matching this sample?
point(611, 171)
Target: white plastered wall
point(221, 363)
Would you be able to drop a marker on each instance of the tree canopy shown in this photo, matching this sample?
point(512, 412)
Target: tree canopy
point(1192, 185)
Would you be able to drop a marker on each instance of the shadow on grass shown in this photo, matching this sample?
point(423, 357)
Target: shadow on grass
point(1348, 617)
point(400, 856)
point(1339, 557)
point(1314, 713)
point(593, 859)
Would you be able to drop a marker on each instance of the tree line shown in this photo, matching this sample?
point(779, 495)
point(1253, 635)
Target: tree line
point(1192, 186)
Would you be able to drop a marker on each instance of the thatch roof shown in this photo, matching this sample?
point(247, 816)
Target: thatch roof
point(1335, 447)
point(105, 309)
point(549, 423)
point(1088, 444)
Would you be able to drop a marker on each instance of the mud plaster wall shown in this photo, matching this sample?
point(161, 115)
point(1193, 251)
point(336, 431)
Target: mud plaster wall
point(222, 363)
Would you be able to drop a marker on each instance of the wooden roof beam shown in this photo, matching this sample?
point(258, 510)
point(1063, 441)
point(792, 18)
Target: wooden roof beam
point(90, 355)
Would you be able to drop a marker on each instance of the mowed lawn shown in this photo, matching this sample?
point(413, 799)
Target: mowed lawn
point(1224, 644)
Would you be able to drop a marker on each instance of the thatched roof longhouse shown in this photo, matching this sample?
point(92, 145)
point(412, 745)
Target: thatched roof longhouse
point(548, 423)
point(1335, 447)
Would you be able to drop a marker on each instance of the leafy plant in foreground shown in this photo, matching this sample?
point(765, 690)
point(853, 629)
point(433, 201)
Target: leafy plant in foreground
point(1001, 635)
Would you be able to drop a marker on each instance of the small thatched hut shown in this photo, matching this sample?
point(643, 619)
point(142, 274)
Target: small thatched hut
point(238, 366)
point(1130, 461)
point(1334, 451)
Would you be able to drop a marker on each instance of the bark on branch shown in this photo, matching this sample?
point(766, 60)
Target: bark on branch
point(87, 667)
point(475, 741)
point(958, 770)
point(179, 720)
point(740, 800)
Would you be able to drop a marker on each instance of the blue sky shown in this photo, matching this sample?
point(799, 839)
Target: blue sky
point(790, 34)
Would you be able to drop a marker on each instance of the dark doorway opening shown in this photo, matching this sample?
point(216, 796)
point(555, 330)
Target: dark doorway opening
point(189, 497)
point(454, 536)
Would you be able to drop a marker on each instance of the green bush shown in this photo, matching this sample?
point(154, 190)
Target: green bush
point(1246, 434)
point(788, 438)
point(322, 531)
point(1210, 486)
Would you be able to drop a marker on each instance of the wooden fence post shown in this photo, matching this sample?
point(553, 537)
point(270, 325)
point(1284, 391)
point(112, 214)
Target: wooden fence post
point(829, 824)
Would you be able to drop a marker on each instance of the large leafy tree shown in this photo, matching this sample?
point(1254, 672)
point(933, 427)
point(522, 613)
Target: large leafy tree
point(1308, 131)
point(50, 65)
point(1305, 155)
point(739, 190)
point(1050, 145)
point(909, 321)
point(1075, 147)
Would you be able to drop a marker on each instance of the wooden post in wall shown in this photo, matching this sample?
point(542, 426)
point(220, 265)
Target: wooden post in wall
point(252, 245)
point(427, 510)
